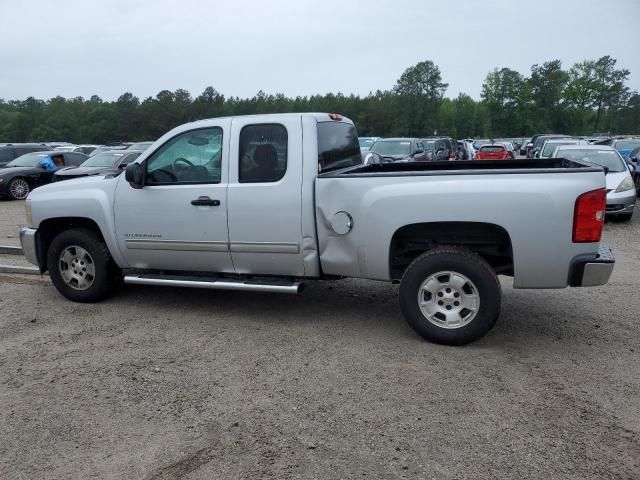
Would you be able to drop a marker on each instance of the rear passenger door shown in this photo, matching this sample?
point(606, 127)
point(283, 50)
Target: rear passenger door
point(264, 196)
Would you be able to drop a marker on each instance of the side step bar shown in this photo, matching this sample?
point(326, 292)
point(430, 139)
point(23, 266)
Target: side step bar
point(257, 285)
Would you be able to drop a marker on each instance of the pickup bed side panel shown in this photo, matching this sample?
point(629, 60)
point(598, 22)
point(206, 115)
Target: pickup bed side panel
point(536, 210)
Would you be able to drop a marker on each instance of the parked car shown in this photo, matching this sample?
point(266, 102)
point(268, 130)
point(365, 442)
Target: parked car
point(465, 150)
point(190, 213)
point(539, 142)
point(493, 151)
point(366, 142)
point(400, 150)
point(142, 146)
point(11, 151)
point(106, 148)
point(621, 192)
point(441, 148)
point(523, 146)
point(110, 162)
point(634, 159)
point(23, 174)
point(622, 145)
point(510, 149)
point(549, 146)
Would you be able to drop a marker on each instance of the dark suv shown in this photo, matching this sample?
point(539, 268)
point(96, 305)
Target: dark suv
point(441, 148)
point(14, 150)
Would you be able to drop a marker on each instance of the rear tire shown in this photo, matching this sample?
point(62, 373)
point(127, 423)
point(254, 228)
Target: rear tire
point(625, 217)
point(81, 267)
point(450, 296)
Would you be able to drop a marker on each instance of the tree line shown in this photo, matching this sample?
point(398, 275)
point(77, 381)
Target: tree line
point(591, 96)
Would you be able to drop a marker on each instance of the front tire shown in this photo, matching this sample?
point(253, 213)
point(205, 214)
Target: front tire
point(80, 266)
point(18, 189)
point(450, 296)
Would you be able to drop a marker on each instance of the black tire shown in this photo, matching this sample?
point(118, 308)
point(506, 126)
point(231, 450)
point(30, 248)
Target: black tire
point(462, 261)
point(106, 272)
point(625, 217)
point(26, 188)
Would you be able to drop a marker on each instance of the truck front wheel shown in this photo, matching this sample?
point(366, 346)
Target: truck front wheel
point(80, 266)
point(450, 296)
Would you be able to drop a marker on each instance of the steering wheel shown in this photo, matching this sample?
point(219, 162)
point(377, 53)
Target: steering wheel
point(182, 160)
point(167, 172)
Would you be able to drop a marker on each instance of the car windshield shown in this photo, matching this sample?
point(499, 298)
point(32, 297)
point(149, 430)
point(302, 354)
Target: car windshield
point(549, 147)
point(27, 160)
point(603, 158)
point(104, 159)
point(400, 147)
point(429, 145)
point(627, 144)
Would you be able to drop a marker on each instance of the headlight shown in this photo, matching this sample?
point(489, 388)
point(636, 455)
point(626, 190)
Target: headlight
point(1, 179)
point(27, 207)
point(626, 184)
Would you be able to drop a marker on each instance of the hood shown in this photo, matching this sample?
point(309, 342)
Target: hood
point(614, 179)
point(83, 171)
point(79, 184)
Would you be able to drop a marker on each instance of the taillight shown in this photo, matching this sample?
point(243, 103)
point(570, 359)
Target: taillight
point(588, 216)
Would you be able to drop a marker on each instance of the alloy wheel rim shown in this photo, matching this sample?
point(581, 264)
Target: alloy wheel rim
point(448, 299)
point(19, 188)
point(77, 268)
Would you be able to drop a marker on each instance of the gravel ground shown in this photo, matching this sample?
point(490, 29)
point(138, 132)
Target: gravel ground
point(171, 383)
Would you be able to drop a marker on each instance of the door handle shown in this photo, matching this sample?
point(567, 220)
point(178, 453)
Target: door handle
point(205, 201)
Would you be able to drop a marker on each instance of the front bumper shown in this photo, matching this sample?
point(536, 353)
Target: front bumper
point(591, 270)
point(29, 248)
point(623, 202)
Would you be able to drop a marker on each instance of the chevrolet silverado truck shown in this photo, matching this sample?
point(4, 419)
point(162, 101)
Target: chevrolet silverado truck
point(263, 203)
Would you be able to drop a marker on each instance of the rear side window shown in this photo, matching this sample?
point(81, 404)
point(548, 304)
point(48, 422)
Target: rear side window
point(6, 154)
point(492, 149)
point(337, 146)
point(263, 153)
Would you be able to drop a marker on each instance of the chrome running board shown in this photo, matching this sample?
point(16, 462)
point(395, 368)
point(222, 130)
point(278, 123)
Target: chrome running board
point(213, 283)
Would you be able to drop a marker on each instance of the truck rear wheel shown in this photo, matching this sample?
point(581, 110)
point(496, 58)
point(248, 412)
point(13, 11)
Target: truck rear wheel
point(80, 266)
point(450, 295)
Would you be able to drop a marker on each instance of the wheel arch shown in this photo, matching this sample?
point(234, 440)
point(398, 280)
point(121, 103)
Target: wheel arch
point(52, 227)
point(490, 241)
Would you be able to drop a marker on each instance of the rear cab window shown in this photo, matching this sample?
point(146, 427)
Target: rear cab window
point(338, 146)
point(492, 148)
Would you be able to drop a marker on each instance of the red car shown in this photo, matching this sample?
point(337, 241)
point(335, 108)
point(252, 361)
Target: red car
point(493, 151)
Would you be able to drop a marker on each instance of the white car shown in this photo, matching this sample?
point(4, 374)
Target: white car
point(548, 147)
point(621, 191)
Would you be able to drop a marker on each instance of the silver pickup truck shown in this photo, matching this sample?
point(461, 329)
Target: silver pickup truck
point(264, 202)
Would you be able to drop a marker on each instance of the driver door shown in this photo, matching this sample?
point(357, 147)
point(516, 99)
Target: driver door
point(178, 219)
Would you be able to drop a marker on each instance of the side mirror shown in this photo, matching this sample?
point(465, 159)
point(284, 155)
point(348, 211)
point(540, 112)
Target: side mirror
point(631, 168)
point(133, 174)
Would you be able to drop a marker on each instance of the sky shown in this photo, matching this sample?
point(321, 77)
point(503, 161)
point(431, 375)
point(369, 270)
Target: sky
point(296, 47)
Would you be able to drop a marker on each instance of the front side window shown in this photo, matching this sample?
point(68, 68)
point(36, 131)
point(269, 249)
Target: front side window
point(191, 157)
point(263, 153)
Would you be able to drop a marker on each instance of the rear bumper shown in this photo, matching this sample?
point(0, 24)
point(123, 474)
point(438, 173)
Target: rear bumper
point(28, 241)
point(591, 270)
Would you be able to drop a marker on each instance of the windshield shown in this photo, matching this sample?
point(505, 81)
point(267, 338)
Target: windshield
point(27, 160)
point(627, 144)
point(104, 159)
point(395, 148)
point(549, 147)
point(604, 158)
point(429, 145)
point(492, 149)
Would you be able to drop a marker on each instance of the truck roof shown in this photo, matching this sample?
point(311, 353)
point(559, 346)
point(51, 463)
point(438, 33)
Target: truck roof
point(318, 116)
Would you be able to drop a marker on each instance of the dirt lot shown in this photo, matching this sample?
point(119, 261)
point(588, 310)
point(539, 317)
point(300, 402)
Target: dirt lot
point(169, 383)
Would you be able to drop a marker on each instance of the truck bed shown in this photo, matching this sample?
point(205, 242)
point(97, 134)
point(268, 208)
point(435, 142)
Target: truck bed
point(466, 167)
